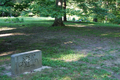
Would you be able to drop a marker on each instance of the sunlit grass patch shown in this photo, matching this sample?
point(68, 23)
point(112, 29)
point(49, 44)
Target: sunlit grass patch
point(71, 57)
point(67, 55)
point(66, 78)
point(6, 28)
point(102, 74)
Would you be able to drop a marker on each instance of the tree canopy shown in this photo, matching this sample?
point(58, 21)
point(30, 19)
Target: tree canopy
point(97, 9)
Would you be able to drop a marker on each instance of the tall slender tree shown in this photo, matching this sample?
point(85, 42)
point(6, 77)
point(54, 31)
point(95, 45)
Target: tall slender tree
point(64, 6)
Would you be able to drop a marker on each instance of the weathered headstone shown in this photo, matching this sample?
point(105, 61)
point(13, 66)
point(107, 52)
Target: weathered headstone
point(26, 61)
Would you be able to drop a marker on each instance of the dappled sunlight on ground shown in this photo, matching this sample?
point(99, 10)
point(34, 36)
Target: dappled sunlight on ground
point(68, 42)
point(80, 25)
point(76, 25)
point(38, 18)
point(111, 34)
point(6, 28)
point(70, 57)
point(104, 34)
point(92, 24)
point(7, 53)
point(65, 78)
point(12, 34)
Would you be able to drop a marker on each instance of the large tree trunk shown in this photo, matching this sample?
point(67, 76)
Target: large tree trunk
point(95, 20)
point(65, 18)
point(58, 21)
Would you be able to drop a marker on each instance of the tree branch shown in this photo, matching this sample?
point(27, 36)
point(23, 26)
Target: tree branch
point(5, 3)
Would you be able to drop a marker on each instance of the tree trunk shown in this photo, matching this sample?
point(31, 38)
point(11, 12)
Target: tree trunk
point(58, 21)
point(10, 14)
point(65, 18)
point(3, 14)
point(95, 20)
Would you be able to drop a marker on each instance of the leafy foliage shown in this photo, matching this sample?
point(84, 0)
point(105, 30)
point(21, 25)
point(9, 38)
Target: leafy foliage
point(13, 7)
point(47, 8)
point(96, 9)
point(117, 21)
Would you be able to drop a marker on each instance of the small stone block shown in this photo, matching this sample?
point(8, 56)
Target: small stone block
point(25, 61)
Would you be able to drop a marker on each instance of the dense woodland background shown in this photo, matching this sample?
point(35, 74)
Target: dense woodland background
point(86, 10)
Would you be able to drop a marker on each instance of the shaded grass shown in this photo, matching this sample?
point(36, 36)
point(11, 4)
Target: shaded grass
point(74, 53)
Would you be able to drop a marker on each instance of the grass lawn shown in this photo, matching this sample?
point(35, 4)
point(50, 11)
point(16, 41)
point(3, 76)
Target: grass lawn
point(79, 51)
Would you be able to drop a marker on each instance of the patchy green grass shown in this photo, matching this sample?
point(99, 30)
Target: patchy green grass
point(1, 69)
point(79, 51)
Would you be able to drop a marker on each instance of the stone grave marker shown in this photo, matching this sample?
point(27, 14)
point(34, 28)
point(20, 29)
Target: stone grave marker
point(26, 61)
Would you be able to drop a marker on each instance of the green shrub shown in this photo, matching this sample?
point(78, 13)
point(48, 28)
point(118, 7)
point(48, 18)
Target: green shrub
point(17, 19)
point(5, 20)
point(73, 19)
point(116, 21)
point(22, 20)
point(8, 20)
point(14, 20)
